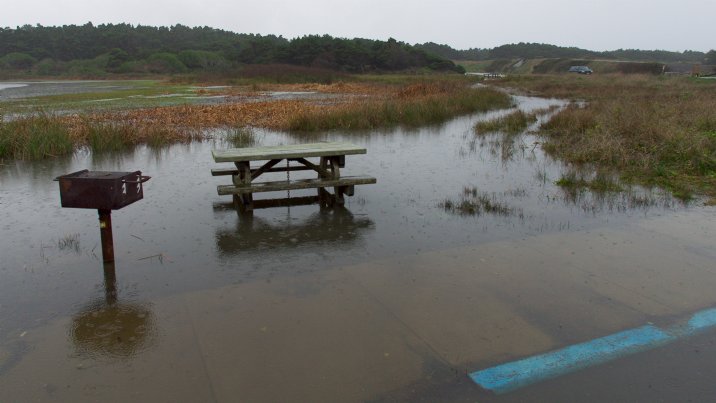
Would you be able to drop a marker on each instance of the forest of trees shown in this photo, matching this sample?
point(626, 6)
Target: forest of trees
point(94, 51)
point(544, 51)
point(89, 50)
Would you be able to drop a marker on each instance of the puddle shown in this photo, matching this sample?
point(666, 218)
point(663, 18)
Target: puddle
point(4, 86)
point(356, 303)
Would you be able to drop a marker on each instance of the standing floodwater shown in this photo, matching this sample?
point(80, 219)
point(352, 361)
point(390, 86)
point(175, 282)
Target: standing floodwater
point(397, 291)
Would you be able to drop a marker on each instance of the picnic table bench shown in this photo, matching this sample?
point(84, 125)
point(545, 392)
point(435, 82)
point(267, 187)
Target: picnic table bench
point(332, 157)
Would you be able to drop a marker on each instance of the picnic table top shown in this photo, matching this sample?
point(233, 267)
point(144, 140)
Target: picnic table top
point(323, 149)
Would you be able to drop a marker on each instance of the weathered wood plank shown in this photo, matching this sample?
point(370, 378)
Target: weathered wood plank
point(294, 184)
point(293, 201)
point(257, 172)
point(286, 151)
point(224, 171)
point(234, 171)
point(322, 172)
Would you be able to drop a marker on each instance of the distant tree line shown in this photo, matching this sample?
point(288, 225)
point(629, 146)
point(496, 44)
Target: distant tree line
point(125, 49)
point(544, 51)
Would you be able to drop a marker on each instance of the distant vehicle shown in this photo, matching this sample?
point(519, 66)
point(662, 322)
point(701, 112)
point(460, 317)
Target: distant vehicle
point(580, 70)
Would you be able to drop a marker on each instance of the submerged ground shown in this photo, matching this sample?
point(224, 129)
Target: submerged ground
point(394, 297)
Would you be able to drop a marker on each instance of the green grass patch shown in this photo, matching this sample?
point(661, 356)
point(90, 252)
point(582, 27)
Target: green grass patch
point(35, 137)
point(109, 136)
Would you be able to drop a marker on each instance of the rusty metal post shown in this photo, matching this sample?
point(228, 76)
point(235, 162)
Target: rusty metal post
point(105, 228)
point(110, 284)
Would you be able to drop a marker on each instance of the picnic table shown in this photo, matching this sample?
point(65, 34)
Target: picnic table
point(332, 157)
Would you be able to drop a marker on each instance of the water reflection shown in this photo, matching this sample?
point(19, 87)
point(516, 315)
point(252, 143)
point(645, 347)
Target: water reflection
point(35, 173)
point(112, 329)
point(328, 225)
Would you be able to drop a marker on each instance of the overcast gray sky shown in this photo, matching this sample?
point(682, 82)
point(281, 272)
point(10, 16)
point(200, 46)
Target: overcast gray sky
point(597, 25)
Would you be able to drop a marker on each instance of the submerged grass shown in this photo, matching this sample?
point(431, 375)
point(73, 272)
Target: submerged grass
point(654, 130)
point(475, 203)
point(240, 137)
point(600, 183)
point(512, 123)
point(69, 242)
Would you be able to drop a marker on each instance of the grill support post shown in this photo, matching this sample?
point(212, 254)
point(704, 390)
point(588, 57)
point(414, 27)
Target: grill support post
point(110, 284)
point(105, 229)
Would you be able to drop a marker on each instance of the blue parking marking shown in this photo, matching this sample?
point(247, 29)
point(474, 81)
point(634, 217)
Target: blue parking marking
point(517, 374)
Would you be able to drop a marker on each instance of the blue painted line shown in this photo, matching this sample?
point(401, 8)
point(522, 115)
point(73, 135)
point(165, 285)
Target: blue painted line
point(507, 377)
point(700, 321)
point(517, 374)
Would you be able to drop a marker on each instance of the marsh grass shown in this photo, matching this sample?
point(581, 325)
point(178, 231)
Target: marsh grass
point(410, 102)
point(240, 137)
point(415, 105)
point(654, 130)
point(34, 137)
point(512, 123)
point(109, 136)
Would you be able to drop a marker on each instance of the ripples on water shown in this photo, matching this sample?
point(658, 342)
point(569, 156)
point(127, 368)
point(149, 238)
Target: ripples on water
point(183, 237)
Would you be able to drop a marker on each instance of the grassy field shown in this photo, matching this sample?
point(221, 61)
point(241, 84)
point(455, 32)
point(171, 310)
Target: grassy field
point(653, 130)
point(365, 102)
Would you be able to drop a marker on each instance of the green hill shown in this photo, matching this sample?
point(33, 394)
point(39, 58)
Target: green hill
point(89, 50)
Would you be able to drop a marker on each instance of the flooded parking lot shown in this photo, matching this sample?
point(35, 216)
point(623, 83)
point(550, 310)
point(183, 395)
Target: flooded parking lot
point(393, 297)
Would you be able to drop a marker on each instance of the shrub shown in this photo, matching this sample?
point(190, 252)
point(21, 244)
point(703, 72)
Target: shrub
point(165, 63)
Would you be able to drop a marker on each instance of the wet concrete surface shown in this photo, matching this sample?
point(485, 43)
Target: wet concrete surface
point(390, 299)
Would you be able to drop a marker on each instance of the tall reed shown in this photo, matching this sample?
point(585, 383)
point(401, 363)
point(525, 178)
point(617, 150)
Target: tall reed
point(34, 137)
point(412, 107)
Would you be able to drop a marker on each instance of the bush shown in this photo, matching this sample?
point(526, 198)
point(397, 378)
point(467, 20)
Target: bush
point(49, 67)
point(88, 67)
point(200, 59)
point(18, 61)
point(165, 63)
point(116, 58)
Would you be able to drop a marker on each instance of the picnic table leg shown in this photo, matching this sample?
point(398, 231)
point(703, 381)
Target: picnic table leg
point(332, 165)
point(323, 195)
point(336, 173)
point(244, 201)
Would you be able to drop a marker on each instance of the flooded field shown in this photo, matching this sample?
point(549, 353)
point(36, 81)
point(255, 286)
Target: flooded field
point(393, 297)
point(63, 97)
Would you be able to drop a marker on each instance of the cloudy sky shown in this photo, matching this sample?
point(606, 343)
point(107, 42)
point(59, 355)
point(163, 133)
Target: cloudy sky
point(462, 24)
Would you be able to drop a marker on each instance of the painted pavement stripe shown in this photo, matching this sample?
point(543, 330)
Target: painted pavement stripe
point(517, 374)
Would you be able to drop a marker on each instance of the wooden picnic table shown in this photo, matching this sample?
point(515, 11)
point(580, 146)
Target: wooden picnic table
point(332, 157)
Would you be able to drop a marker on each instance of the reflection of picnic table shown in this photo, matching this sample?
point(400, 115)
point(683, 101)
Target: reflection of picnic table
point(335, 226)
point(332, 157)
